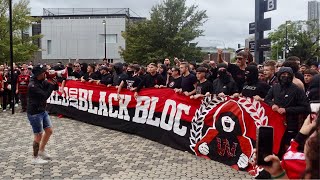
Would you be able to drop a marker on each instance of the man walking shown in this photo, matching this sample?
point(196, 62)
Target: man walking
point(39, 91)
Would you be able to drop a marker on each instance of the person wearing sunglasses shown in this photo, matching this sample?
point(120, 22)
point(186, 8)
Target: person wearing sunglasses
point(237, 70)
point(77, 73)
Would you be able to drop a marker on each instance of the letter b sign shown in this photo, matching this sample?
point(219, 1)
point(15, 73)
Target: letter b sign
point(270, 5)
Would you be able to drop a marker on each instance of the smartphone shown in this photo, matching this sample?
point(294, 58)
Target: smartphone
point(264, 144)
point(315, 107)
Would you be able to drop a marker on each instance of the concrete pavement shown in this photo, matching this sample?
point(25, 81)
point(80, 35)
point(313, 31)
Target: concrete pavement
point(83, 151)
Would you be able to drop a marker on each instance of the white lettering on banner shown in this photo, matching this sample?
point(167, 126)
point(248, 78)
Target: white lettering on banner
point(151, 120)
point(115, 97)
point(65, 100)
point(103, 110)
point(73, 94)
point(141, 108)
point(91, 109)
point(163, 124)
point(83, 97)
point(123, 107)
point(144, 111)
point(176, 126)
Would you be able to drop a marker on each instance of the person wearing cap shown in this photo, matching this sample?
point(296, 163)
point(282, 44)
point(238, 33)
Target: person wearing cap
point(224, 85)
point(204, 87)
point(106, 77)
point(288, 99)
point(39, 90)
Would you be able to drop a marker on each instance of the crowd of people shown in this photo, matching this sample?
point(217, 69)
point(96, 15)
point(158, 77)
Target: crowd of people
point(287, 87)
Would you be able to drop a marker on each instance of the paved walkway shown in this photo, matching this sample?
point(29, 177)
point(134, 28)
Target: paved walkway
point(83, 151)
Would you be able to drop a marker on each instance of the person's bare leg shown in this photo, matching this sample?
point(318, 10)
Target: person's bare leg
point(45, 138)
point(36, 144)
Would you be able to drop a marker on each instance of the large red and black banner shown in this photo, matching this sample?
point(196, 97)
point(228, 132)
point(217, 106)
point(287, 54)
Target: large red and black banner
point(221, 129)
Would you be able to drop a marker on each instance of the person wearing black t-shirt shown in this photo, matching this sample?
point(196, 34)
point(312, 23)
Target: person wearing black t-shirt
point(237, 70)
point(188, 82)
point(132, 81)
point(175, 79)
point(253, 87)
point(90, 76)
point(106, 77)
point(224, 85)
point(204, 87)
point(153, 79)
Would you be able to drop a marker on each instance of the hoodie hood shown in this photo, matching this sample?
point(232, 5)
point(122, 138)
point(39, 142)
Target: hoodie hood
point(118, 67)
point(252, 74)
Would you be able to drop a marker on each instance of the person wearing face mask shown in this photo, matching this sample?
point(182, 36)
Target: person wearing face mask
point(253, 87)
point(224, 84)
point(132, 80)
point(288, 99)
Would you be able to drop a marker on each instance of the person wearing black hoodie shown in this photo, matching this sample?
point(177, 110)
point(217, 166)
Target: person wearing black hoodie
point(224, 84)
point(288, 99)
point(118, 74)
point(253, 87)
point(313, 92)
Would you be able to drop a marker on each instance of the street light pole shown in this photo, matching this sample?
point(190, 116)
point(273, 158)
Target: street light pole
point(105, 38)
point(11, 55)
point(286, 48)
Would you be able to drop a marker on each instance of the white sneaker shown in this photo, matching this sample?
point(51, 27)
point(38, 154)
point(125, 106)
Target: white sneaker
point(44, 155)
point(38, 160)
point(16, 105)
point(4, 110)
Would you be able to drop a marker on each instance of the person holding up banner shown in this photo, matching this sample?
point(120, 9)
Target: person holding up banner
point(153, 79)
point(204, 87)
point(188, 82)
point(288, 99)
point(224, 85)
point(39, 90)
point(132, 81)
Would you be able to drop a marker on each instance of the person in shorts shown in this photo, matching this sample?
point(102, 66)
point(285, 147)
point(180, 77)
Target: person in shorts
point(39, 90)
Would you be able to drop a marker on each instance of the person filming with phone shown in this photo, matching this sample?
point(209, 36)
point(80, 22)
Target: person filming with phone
point(301, 161)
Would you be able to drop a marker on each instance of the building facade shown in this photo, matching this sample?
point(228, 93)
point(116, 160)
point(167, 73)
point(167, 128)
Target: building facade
point(84, 34)
point(314, 10)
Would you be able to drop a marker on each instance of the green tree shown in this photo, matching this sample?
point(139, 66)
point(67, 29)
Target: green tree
point(303, 40)
point(169, 33)
point(23, 48)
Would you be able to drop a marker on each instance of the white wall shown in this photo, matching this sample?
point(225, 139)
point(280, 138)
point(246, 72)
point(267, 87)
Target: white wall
point(82, 38)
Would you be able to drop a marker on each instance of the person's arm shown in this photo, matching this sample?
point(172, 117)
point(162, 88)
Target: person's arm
point(220, 59)
point(302, 103)
point(46, 92)
point(17, 87)
point(119, 89)
point(141, 84)
point(269, 98)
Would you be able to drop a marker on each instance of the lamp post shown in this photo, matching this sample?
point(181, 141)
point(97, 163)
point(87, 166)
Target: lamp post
point(105, 38)
point(287, 46)
point(11, 53)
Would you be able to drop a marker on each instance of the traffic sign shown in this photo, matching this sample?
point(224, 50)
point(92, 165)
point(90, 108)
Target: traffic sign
point(264, 25)
point(251, 46)
point(265, 45)
point(252, 28)
point(268, 5)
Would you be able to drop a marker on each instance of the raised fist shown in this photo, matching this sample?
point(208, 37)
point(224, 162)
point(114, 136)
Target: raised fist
point(243, 161)
point(204, 149)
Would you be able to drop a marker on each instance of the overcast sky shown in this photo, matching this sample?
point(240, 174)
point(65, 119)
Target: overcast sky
point(227, 23)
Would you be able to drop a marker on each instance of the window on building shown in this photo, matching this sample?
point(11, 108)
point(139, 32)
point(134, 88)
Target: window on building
point(49, 46)
point(111, 38)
